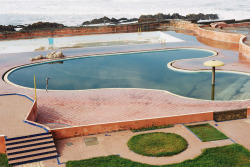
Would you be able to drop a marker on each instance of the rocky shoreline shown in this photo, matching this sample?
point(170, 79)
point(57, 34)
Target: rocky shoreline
point(107, 21)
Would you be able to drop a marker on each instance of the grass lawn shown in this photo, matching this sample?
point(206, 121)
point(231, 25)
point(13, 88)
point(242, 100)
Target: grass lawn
point(206, 132)
point(157, 144)
point(3, 160)
point(152, 128)
point(231, 155)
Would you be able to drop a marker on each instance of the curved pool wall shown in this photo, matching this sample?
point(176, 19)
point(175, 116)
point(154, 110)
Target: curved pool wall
point(146, 70)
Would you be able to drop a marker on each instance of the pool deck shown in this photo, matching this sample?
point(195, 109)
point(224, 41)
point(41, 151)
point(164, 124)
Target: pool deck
point(72, 108)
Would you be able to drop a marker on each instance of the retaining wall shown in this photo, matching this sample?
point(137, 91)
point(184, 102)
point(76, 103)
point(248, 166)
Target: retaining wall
point(184, 25)
point(243, 48)
point(32, 115)
point(80, 31)
point(218, 44)
point(218, 35)
point(230, 115)
point(238, 24)
point(2, 144)
point(68, 132)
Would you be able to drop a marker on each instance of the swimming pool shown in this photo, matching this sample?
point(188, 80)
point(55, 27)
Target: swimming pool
point(146, 70)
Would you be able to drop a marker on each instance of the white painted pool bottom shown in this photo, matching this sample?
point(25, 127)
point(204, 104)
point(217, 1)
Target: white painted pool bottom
point(29, 45)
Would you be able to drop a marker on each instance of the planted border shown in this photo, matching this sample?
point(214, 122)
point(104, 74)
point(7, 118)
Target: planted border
point(152, 128)
point(206, 132)
point(4, 161)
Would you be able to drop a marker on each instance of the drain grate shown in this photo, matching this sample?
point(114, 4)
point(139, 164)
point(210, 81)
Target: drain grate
point(91, 141)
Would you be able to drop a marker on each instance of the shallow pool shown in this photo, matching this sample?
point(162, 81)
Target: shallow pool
point(134, 70)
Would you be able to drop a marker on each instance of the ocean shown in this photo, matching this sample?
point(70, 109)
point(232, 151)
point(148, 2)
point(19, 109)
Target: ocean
point(74, 12)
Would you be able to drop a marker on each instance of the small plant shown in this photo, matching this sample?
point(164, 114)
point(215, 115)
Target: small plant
point(152, 128)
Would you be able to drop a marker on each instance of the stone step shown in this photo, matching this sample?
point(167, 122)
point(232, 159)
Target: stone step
point(31, 154)
point(28, 140)
point(33, 159)
point(23, 137)
point(30, 149)
point(30, 144)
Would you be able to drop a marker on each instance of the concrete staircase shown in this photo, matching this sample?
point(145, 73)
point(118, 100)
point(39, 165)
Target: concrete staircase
point(32, 148)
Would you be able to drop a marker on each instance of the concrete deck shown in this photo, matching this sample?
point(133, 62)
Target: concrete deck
point(13, 109)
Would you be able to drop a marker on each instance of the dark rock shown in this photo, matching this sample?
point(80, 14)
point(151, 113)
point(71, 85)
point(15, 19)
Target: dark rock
point(192, 17)
point(108, 20)
point(7, 28)
point(42, 25)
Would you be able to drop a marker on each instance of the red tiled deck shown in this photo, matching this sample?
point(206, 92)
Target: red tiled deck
point(112, 105)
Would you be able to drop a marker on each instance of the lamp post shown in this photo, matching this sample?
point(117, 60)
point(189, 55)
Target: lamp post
point(213, 64)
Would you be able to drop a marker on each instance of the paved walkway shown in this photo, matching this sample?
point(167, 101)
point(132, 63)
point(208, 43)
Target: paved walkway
point(13, 109)
point(237, 130)
point(116, 143)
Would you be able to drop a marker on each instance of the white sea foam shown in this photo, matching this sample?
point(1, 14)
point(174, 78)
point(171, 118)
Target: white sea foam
point(74, 12)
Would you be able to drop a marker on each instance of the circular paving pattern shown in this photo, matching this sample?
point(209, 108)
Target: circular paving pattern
point(158, 144)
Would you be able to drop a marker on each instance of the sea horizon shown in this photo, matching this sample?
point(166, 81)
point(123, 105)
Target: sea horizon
point(75, 12)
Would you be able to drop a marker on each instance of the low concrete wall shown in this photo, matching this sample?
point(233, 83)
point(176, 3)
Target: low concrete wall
point(32, 115)
point(234, 39)
point(81, 31)
point(68, 132)
point(243, 48)
point(2, 144)
point(230, 115)
point(184, 25)
point(226, 37)
point(238, 24)
point(219, 36)
point(218, 44)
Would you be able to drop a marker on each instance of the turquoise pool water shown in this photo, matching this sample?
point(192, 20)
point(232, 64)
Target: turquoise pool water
point(135, 70)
